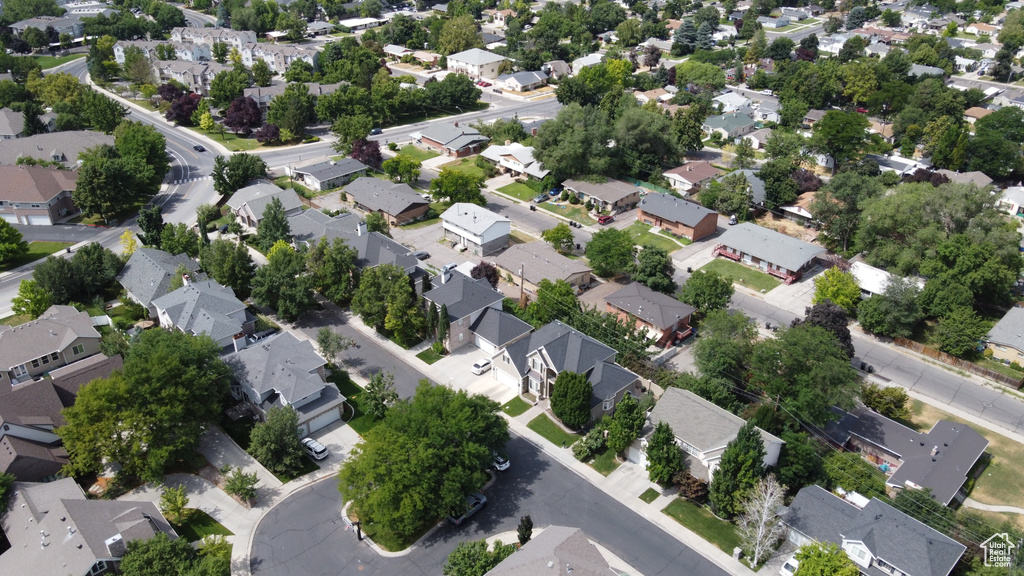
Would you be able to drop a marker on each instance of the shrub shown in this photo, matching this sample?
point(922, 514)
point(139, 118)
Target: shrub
point(589, 205)
point(690, 487)
point(437, 348)
point(564, 196)
point(392, 146)
point(574, 199)
point(585, 448)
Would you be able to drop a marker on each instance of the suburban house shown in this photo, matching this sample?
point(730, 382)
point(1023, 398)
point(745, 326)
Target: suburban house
point(205, 308)
point(754, 184)
point(918, 70)
point(731, 101)
point(210, 36)
point(54, 529)
point(665, 318)
point(976, 113)
point(475, 63)
point(813, 116)
point(979, 179)
point(36, 195)
point(61, 336)
point(330, 174)
point(452, 139)
point(1011, 201)
point(279, 57)
point(729, 126)
point(657, 94)
point(197, 76)
point(522, 81)
point(531, 366)
point(532, 262)
point(396, 52)
point(758, 138)
point(556, 69)
point(12, 124)
point(872, 280)
point(800, 210)
point(775, 253)
point(680, 217)
point(398, 202)
point(981, 29)
point(149, 272)
point(1005, 340)
point(475, 314)
point(611, 196)
point(285, 371)
point(877, 537)
point(691, 176)
point(248, 203)
point(939, 459)
point(476, 228)
point(586, 62)
point(559, 546)
point(702, 429)
point(264, 95)
point(516, 159)
point(63, 147)
point(773, 23)
point(68, 24)
point(30, 449)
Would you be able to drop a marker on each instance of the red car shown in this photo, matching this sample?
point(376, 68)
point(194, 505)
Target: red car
point(862, 110)
point(605, 219)
point(485, 84)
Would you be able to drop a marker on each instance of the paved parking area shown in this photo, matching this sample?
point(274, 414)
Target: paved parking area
point(594, 297)
point(456, 371)
point(339, 438)
point(796, 296)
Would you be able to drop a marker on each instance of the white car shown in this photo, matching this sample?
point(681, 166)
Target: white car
point(500, 462)
point(789, 566)
point(767, 92)
point(314, 449)
point(481, 366)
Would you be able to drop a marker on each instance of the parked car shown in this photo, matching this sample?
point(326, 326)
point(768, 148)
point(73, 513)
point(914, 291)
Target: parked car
point(500, 462)
point(375, 131)
point(862, 110)
point(421, 255)
point(481, 366)
point(554, 192)
point(485, 84)
point(449, 267)
point(607, 218)
point(767, 92)
point(223, 228)
point(199, 148)
point(789, 566)
point(540, 198)
point(314, 449)
point(733, 220)
point(474, 503)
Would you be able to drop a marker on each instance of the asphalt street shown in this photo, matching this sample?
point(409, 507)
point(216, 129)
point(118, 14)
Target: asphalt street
point(305, 534)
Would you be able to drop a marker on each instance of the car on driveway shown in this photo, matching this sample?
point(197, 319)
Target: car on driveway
point(199, 148)
point(606, 219)
point(314, 449)
point(541, 198)
point(481, 366)
point(421, 255)
point(789, 566)
point(474, 502)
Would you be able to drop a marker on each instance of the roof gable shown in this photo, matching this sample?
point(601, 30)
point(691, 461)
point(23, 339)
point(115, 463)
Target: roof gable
point(655, 308)
point(675, 209)
point(770, 246)
point(149, 272)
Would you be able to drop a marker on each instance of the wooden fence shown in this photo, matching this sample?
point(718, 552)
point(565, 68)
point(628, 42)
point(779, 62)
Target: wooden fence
point(959, 363)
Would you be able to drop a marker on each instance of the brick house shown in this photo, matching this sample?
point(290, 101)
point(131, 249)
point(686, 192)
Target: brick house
point(680, 217)
point(665, 318)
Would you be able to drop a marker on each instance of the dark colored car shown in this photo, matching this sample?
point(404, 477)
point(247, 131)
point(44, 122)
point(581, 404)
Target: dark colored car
point(605, 219)
point(199, 148)
point(375, 131)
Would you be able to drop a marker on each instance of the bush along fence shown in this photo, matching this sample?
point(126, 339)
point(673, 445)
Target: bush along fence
point(971, 367)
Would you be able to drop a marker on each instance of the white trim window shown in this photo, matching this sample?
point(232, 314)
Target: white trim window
point(78, 349)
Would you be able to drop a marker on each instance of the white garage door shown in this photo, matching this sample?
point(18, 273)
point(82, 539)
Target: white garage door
point(323, 420)
point(484, 345)
point(39, 220)
point(9, 218)
point(636, 455)
point(507, 379)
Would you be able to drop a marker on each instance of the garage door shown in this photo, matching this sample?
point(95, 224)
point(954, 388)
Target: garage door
point(507, 379)
point(39, 220)
point(484, 345)
point(9, 218)
point(636, 455)
point(323, 420)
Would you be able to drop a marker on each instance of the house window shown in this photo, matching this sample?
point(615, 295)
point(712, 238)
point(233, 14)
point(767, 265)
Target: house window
point(461, 335)
point(460, 321)
point(46, 359)
point(54, 356)
point(607, 405)
point(534, 384)
point(34, 205)
point(505, 358)
point(35, 363)
point(20, 370)
point(78, 349)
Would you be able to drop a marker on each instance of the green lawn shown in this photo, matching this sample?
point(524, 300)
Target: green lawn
point(229, 140)
point(577, 212)
point(200, 525)
point(429, 356)
point(680, 239)
point(417, 154)
point(46, 62)
point(36, 251)
point(15, 320)
point(552, 432)
point(286, 182)
point(467, 166)
point(520, 191)
point(605, 462)
point(642, 235)
point(704, 523)
point(742, 275)
point(360, 421)
point(308, 465)
point(515, 407)
point(650, 495)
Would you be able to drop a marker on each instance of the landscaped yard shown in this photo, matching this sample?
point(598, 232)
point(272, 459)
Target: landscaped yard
point(286, 182)
point(578, 212)
point(46, 62)
point(520, 191)
point(605, 462)
point(200, 525)
point(704, 523)
point(36, 251)
point(239, 430)
point(417, 154)
point(229, 140)
point(429, 356)
point(467, 166)
point(650, 495)
point(515, 407)
point(356, 417)
point(308, 465)
point(742, 275)
point(552, 432)
point(642, 235)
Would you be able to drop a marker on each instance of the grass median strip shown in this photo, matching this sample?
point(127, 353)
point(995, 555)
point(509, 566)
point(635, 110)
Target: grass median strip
point(705, 524)
point(552, 432)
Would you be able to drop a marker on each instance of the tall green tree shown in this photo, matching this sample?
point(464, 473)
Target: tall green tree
point(838, 205)
point(32, 300)
point(107, 181)
point(841, 135)
point(348, 129)
point(402, 168)
point(627, 424)
point(707, 290)
point(961, 331)
point(654, 269)
point(228, 85)
point(739, 470)
point(725, 344)
point(236, 171)
point(143, 142)
point(664, 459)
point(743, 155)
point(273, 227)
point(455, 186)
point(380, 394)
point(292, 110)
point(230, 264)
point(334, 269)
point(824, 559)
point(274, 442)
point(894, 312)
point(284, 283)
point(610, 252)
point(374, 301)
point(570, 399)
point(839, 287)
point(474, 559)
point(560, 237)
point(179, 239)
point(12, 244)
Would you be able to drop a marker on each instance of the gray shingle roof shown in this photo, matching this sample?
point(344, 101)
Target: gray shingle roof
point(674, 209)
point(958, 447)
point(1009, 331)
point(753, 180)
point(476, 57)
point(54, 331)
point(660, 310)
point(149, 271)
point(770, 246)
point(203, 308)
point(463, 295)
point(373, 248)
point(728, 122)
point(817, 514)
point(541, 262)
point(387, 197)
point(11, 123)
point(281, 363)
point(61, 146)
point(558, 546)
point(32, 404)
point(471, 218)
point(258, 195)
point(332, 169)
point(611, 191)
point(452, 136)
point(499, 327)
point(698, 422)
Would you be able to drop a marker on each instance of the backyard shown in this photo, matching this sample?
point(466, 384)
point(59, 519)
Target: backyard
point(417, 154)
point(577, 212)
point(643, 236)
point(742, 275)
point(36, 251)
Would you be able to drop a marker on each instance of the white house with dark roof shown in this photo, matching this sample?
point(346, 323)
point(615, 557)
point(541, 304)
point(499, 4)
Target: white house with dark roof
point(772, 252)
point(60, 336)
point(1006, 338)
point(205, 308)
point(149, 272)
point(474, 312)
point(476, 228)
point(702, 430)
point(877, 537)
point(398, 202)
point(452, 139)
point(285, 371)
point(330, 174)
point(475, 63)
point(691, 176)
point(248, 203)
point(534, 262)
point(514, 158)
point(522, 81)
point(665, 318)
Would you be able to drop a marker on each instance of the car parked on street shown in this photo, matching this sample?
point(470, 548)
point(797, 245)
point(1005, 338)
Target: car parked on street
point(314, 449)
point(474, 503)
point(481, 366)
point(606, 219)
point(199, 148)
point(376, 131)
point(500, 462)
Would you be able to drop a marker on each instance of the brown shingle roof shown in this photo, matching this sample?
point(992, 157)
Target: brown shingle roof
point(34, 183)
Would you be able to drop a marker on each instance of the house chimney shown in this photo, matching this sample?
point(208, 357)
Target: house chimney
point(185, 279)
point(361, 228)
point(239, 342)
point(935, 450)
point(445, 276)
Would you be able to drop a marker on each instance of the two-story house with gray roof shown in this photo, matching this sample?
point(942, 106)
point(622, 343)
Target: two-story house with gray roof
point(55, 529)
point(474, 313)
point(665, 318)
point(452, 139)
point(36, 195)
point(702, 430)
point(60, 336)
point(63, 147)
point(531, 365)
point(772, 252)
point(877, 537)
point(248, 203)
point(475, 63)
point(285, 371)
point(330, 174)
point(680, 217)
point(1006, 338)
point(205, 308)
point(397, 202)
point(149, 272)
point(476, 228)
